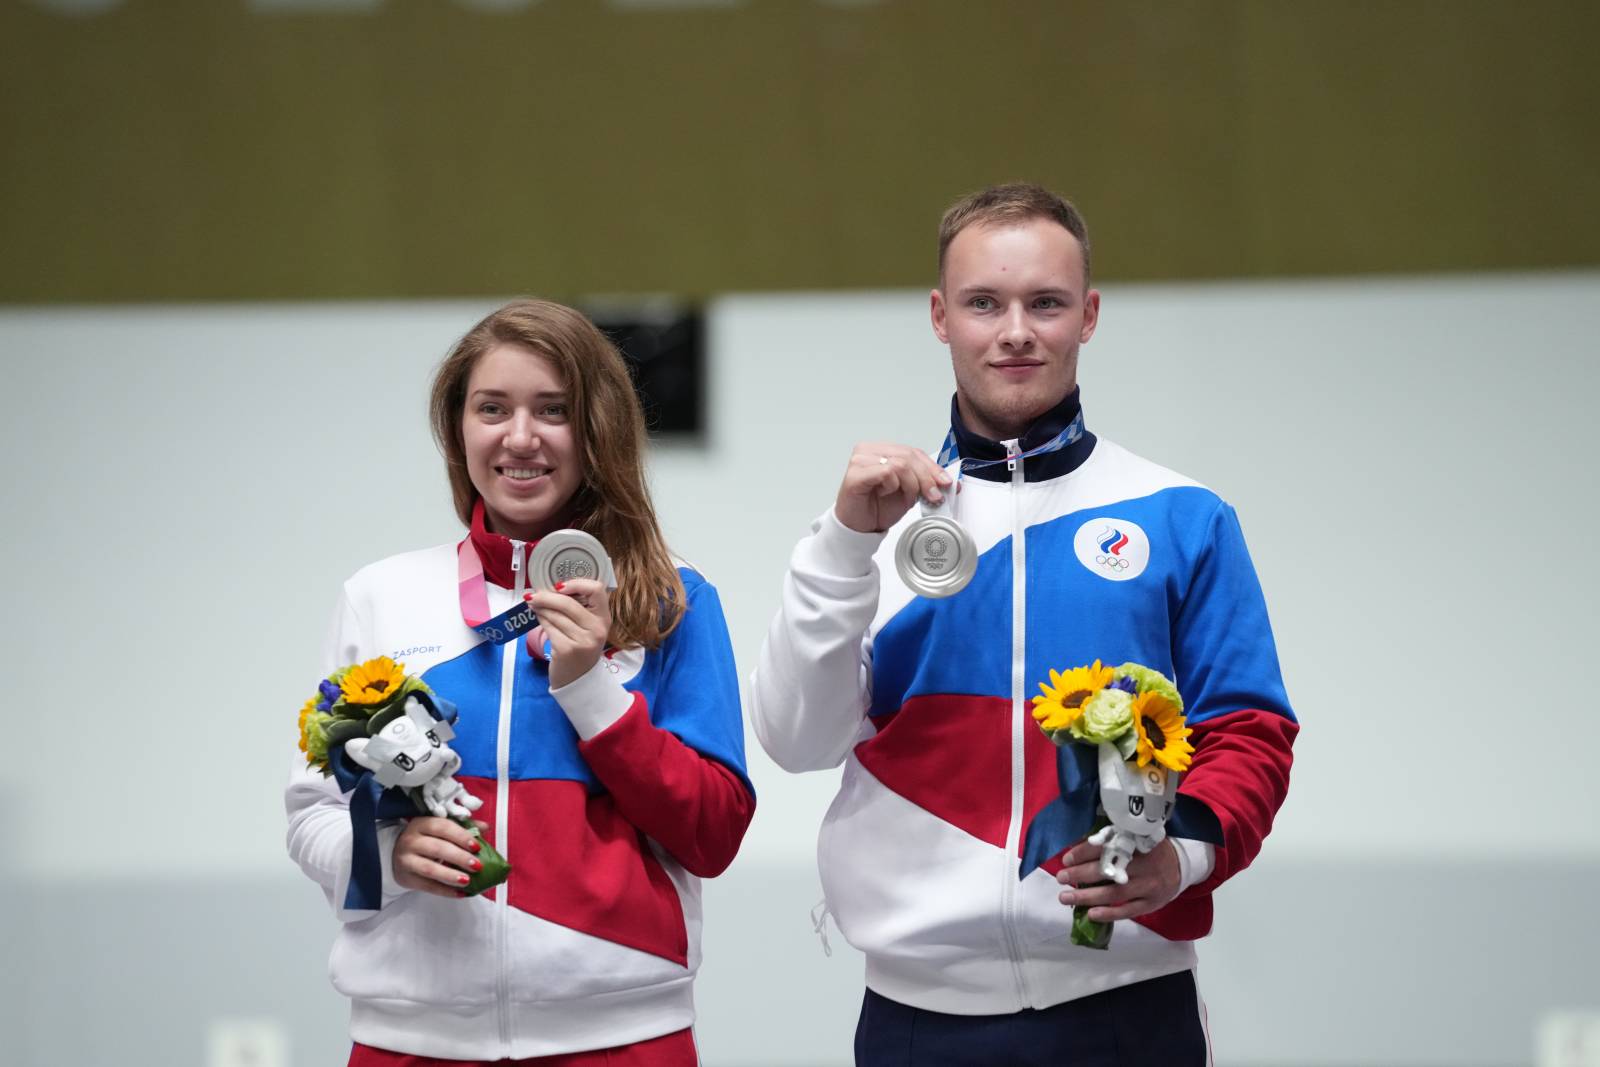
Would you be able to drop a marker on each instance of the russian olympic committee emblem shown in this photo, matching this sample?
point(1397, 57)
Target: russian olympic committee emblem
point(1115, 549)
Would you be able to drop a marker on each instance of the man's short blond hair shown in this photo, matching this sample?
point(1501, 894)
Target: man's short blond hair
point(1001, 205)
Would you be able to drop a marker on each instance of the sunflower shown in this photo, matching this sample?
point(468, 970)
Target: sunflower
point(305, 719)
point(373, 682)
point(1162, 734)
point(1063, 699)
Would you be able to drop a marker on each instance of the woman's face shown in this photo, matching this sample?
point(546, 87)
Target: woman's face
point(521, 453)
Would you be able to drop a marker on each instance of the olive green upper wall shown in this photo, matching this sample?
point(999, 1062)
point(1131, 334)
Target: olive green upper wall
point(198, 150)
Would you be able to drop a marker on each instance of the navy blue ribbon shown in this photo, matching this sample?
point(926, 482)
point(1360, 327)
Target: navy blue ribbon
point(1067, 819)
point(509, 624)
point(370, 802)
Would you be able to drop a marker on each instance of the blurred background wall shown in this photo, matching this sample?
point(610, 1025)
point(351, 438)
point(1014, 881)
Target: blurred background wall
point(1349, 260)
point(316, 149)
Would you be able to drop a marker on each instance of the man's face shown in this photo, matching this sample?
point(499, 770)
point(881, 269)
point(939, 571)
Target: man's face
point(1013, 307)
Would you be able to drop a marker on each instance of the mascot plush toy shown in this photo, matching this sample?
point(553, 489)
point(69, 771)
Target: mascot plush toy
point(404, 748)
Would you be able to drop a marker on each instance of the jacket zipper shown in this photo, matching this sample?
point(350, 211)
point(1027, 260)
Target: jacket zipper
point(1019, 720)
point(502, 807)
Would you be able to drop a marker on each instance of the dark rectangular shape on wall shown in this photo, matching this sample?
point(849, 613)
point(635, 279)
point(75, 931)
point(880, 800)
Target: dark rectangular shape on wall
point(664, 345)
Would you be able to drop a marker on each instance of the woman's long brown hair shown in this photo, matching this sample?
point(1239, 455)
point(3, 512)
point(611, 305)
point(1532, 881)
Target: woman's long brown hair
point(613, 503)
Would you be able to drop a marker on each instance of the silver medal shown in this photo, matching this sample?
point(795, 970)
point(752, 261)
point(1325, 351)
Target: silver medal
point(567, 554)
point(936, 556)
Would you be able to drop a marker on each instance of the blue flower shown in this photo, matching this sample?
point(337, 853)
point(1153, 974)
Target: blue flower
point(1125, 684)
point(330, 693)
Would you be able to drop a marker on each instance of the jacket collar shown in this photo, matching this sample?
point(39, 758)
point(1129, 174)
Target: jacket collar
point(1046, 465)
point(493, 549)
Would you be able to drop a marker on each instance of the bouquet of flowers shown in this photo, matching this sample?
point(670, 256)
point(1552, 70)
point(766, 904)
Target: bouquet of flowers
point(1132, 718)
point(381, 733)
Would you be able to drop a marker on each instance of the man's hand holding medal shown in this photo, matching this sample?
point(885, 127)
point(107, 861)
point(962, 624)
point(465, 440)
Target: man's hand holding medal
point(935, 556)
point(883, 481)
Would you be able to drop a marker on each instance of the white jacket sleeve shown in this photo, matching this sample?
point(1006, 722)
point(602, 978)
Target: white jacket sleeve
point(319, 815)
point(813, 683)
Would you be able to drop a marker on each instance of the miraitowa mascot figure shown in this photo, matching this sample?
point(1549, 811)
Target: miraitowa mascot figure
point(1136, 801)
point(404, 748)
point(381, 734)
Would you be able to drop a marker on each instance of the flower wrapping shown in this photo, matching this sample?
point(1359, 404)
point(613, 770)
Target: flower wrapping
point(381, 733)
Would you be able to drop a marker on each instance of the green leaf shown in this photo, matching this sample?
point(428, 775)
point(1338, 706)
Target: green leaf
point(495, 869)
point(1087, 932)
point(1128, 744)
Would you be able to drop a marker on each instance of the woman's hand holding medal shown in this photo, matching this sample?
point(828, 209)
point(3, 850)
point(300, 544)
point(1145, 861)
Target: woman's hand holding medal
point(576, 616)
point(883, 481)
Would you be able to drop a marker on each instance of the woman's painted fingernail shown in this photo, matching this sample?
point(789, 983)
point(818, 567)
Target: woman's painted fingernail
point(559, 586)
point(463, 879)
point(477, 865)
point(527, 596)
point(475, 845)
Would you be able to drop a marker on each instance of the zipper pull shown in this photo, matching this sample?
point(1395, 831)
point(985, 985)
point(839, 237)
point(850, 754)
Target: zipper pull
point(516, 556)
point(1012, 452)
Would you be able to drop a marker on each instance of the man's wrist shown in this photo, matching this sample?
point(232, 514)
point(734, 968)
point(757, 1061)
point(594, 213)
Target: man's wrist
point(836, 549)
point(1196, 859)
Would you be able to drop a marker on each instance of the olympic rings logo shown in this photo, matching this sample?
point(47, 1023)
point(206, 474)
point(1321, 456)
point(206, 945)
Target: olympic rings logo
point(568, 569)
point(1114, 549)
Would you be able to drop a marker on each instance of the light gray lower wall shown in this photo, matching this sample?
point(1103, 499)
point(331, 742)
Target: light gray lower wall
point(1384, 964)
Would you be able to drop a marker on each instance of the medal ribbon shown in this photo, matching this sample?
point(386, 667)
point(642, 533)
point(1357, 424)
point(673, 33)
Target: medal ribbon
point(506, 626)
point(1071, 434)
